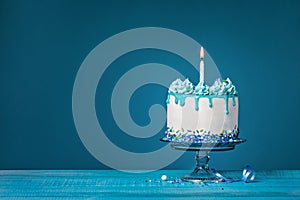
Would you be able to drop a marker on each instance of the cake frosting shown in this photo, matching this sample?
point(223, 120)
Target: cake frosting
point(202, 113)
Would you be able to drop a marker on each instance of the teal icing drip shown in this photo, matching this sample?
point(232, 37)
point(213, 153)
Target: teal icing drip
point(233, 101)
point(182, 99)
point(178, 98)
point(226, 104)
point(169, 96)
point(168, 99)
point(197, 103)
point(209, 101)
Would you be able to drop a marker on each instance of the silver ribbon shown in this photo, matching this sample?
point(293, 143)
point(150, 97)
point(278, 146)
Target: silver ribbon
point(247, 176)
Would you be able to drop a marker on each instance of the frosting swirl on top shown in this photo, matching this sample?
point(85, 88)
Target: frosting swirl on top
point(183, 87)
point(229, 87)
point(201, 89)
point(175, 85)
point(218, 88)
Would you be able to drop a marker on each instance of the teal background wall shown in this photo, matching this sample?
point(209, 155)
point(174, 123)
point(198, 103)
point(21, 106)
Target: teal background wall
point(43, 43)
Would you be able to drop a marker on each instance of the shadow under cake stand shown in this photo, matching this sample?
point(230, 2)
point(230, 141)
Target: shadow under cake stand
point(202, 172)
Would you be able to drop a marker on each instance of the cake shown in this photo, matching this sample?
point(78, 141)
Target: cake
point(202, 113)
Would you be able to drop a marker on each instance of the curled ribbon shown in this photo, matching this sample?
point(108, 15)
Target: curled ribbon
point(247, 176)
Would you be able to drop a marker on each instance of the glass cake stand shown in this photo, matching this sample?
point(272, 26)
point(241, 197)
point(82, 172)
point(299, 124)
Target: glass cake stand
point(202, 172)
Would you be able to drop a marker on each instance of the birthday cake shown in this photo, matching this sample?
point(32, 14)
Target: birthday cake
point(202, 113)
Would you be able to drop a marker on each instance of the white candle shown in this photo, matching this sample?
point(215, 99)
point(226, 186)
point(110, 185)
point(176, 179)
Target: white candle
point(201, 64)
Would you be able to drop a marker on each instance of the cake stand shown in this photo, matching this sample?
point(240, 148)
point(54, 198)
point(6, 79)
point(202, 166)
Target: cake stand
point(202, 172)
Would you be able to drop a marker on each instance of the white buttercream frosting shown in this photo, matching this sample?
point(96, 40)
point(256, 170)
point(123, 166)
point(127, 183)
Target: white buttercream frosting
point(183, 87)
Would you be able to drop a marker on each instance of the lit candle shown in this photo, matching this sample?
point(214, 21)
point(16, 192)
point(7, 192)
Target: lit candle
point(201, 64)
point(201, 53)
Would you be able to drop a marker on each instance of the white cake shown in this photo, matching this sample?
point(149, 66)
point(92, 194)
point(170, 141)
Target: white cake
point(202, 113)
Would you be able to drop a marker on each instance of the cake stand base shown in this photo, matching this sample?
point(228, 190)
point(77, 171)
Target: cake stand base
point(201, 171)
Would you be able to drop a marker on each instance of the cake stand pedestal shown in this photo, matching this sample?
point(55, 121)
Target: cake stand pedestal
point(202, 172)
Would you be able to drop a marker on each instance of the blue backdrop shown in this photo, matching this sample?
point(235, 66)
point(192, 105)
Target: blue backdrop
point(43, 43)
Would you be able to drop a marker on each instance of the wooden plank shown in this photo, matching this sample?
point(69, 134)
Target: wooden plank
point(114, 184)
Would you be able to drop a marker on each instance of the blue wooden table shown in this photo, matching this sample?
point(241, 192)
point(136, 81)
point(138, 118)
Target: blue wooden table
point(83, 184)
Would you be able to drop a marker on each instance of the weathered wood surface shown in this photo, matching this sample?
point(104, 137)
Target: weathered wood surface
point(83, 184)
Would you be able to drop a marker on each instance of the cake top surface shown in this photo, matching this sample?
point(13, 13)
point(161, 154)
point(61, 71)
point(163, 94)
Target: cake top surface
point(219, 88)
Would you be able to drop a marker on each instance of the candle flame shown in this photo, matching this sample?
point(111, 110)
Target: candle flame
point(202, 53)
